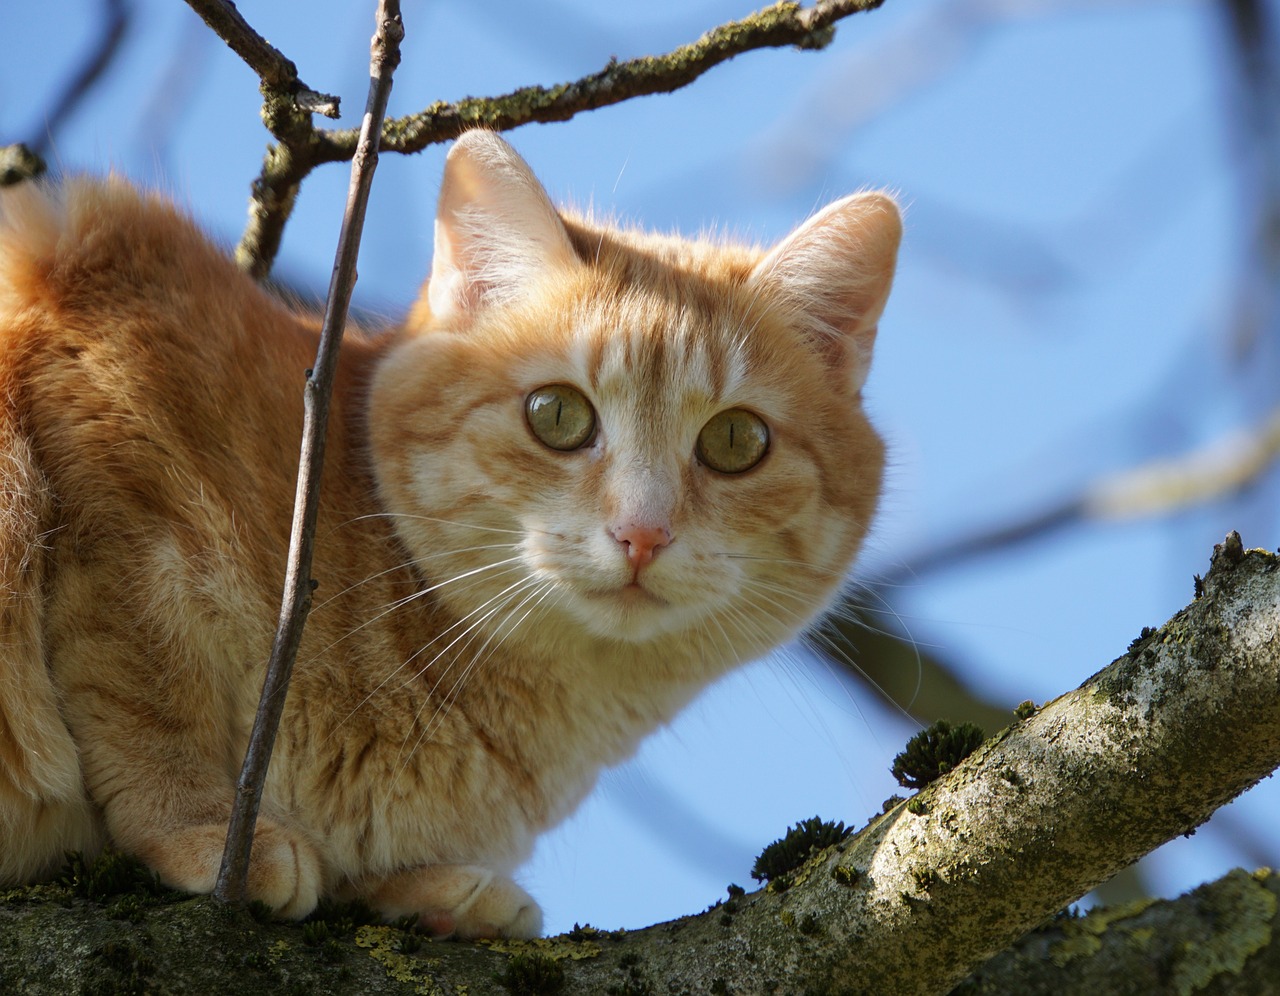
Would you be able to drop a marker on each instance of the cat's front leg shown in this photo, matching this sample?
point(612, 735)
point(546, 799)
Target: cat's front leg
point(166, 798)
point(462, 901)
point(285, 871)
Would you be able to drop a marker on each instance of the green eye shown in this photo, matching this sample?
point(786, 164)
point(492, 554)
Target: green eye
point(560, 416)
point(733, 441)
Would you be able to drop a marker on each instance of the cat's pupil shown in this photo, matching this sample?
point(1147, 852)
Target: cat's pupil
point(733, 441)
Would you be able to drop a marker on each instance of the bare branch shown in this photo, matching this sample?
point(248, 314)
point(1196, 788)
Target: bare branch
point(296, 600)
point(274, 192)
point(278, 73)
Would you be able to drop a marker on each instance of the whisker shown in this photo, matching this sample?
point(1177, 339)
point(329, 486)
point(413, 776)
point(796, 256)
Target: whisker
point(467, 621)
point(481, 656)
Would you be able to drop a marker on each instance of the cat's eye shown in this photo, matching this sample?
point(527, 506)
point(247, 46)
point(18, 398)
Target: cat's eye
point(733, 441)
point(560, 417)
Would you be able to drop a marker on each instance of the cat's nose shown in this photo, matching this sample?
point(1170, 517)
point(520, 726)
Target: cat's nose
point(641, 542)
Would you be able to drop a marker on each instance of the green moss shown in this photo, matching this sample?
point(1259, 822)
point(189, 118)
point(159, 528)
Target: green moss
point(934, 751)
point(1242, 911)
point(532, 975)
point(800, 842)
point(386, 946)
point(846, 875)
point(110, 874)
point(1080, 935)
point(1026, 709)
point(1136, 643)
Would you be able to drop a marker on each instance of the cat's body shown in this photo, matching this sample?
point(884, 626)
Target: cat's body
point(508, 600)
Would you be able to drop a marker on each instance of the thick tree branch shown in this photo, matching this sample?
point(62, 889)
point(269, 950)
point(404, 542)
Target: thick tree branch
point(300, 151)
point(298, 583)
point(1218, 938)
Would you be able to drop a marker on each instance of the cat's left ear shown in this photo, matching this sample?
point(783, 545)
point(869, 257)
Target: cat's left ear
point(833, 275)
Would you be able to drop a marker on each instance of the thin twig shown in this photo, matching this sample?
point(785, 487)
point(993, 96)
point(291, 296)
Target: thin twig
point(296, 601)
point(288, 162)
point(277, 72)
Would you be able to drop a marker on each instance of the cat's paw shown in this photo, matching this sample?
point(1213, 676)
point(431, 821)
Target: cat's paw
point(462, 901)
point(284, 868)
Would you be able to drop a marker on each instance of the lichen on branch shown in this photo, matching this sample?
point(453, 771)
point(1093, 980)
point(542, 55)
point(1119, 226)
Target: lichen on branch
point(301, 146)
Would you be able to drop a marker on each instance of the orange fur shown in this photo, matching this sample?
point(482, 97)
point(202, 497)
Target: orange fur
point(496, 619)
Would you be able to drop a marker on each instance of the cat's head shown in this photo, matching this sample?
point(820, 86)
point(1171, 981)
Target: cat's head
point(590, 433)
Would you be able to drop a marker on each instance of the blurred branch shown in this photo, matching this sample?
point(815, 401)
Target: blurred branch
point(117, 15)
point(278, 74)
point(1255, 112)
point(1222, 469)
point(301, 147)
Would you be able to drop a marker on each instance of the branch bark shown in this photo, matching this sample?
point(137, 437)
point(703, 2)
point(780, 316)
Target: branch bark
point(278, 74)
point(301, 147)
point(298, 586)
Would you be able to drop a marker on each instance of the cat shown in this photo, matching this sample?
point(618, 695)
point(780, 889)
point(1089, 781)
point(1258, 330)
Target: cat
point(593, 470)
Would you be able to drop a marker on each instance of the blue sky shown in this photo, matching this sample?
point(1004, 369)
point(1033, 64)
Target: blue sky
point(1066, 308)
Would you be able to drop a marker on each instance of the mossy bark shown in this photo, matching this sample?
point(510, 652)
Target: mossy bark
point(929, 891)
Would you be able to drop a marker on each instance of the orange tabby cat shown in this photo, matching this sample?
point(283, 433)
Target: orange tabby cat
point(594, 470)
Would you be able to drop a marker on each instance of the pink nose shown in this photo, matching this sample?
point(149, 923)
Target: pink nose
point(641, 542)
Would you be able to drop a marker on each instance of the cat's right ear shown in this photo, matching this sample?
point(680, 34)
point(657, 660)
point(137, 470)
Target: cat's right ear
point(496, 232)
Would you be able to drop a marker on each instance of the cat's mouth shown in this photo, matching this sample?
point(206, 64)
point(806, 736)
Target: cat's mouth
point(633, 594)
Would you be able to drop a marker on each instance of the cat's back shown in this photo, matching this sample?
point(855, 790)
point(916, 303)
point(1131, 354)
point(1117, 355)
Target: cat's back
point(137, 360)
point(113, 297)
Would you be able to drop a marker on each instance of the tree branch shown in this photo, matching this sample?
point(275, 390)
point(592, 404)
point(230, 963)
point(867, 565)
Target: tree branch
point(1218, 938)
point(278, 74)
point(298, 582)
point(298, 152)
point(18, 164)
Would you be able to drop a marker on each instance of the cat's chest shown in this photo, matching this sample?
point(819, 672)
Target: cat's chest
point(456, 761)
